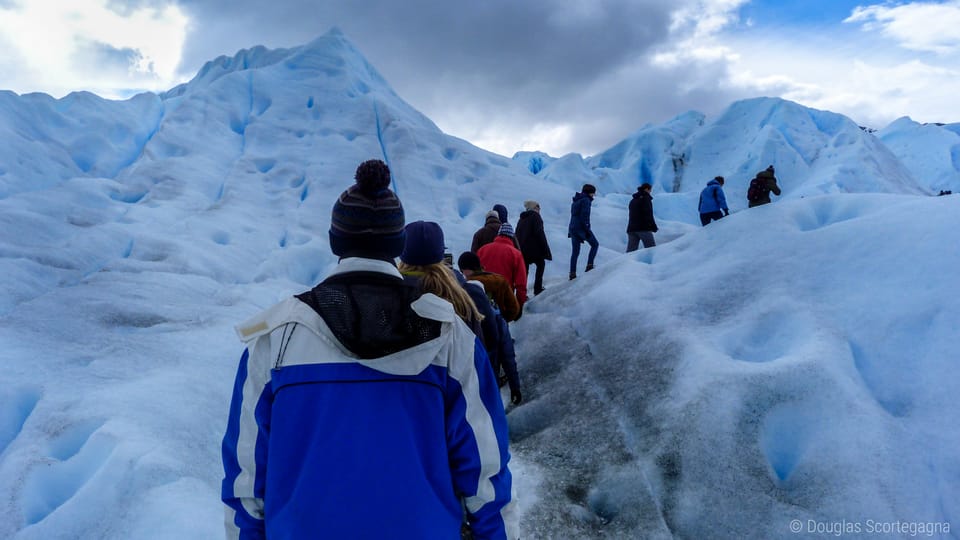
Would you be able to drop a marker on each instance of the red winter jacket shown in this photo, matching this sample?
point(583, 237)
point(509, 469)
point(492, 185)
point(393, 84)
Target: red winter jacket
point(501, 257)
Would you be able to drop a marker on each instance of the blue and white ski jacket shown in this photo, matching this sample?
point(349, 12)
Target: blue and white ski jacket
point(322, 444)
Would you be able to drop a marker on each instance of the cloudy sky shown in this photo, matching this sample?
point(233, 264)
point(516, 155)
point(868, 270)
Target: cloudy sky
point(554, 75)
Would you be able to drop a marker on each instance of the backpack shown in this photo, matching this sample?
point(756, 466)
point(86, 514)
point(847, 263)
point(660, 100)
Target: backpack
point(756, 190)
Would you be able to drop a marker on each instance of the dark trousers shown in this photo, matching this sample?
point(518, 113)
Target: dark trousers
point(538, 278)
point(594, 247)
point(710, 216)
point(634, 239)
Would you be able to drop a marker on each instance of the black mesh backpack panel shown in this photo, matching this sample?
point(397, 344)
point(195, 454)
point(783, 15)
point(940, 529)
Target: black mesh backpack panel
point(370, 313)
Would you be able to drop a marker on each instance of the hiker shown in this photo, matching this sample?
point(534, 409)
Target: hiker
point(760, 187)
point(493, 286)
point(713, 204)
point(501, 257)
point(501, 211)
point(496, 286)
point(579, 228)
point(640, 224)
point(365, 395)
point(421, 262)
point(489, 231)
point(533, 242)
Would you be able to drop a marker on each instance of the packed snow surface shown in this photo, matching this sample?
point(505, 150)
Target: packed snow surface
point(795, 361)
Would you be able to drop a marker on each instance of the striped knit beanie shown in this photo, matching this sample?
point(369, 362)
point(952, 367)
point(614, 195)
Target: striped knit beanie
point(506, 230)
point(367, 220)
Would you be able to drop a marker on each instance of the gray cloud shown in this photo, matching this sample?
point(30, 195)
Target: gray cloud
point(107, 60)
point(514, 63)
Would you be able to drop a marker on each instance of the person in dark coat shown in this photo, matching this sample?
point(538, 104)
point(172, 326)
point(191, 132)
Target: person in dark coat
point(713, 203)
point(501, 211)
point(486, 234)
point(768, 183)
point(533, 242)
point(641, 225)
point(579, 229)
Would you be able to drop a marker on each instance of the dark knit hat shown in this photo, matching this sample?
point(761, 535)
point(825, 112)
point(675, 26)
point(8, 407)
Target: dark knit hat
point(501, 211)
point(589, 188)
point(506, 230)
point(367, 220)
point(469, 261)
point(424, 244)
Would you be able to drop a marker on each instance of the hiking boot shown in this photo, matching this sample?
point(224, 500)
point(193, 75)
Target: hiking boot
point(573, 275)
point(589, 268)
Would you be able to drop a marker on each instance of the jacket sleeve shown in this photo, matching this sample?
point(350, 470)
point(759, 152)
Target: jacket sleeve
point(508, 355)
point(478, 444)
point(507, 302)
point(541, 237)
point(520, 279)
point(244, 452)
point(772, 184)
point(721, 199)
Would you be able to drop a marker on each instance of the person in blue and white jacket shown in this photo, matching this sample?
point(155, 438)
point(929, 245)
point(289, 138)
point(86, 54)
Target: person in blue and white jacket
point(363, 408)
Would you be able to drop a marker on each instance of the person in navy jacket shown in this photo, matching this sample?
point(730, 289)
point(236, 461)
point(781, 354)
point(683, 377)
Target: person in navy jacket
point(364, 408)
point(579, 229)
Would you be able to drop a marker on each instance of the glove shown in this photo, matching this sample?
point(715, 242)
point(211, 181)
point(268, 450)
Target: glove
point(726, 211)
point(515, 397)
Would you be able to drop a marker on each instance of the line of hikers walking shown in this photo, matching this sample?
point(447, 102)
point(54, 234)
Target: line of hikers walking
point(531, 241)
point(381, 383)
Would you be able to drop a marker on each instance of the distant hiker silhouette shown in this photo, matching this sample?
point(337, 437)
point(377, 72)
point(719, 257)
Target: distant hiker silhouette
point(533, 242)
point(489, 231)
point(579, 230)
point(713, 203)
point(640, 224)
point(758, 193)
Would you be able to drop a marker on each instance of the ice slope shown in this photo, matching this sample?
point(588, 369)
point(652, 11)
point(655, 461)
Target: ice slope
point(50, 140)
point(930, 151)
point(245, 160)
point(715, 387)
point(122, 285)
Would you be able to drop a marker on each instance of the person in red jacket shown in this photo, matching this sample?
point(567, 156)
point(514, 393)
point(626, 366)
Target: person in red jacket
point(502, 257)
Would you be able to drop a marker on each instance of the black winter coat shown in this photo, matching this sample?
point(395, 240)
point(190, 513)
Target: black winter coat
point(532, 239)
point(641, 213)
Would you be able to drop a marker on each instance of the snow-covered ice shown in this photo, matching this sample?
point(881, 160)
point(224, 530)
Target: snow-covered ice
point(795, 361)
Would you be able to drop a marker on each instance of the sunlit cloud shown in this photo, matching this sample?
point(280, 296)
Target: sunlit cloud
point(695, 29)
point(82, 44)
point(872, 89)
point(919, 26)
